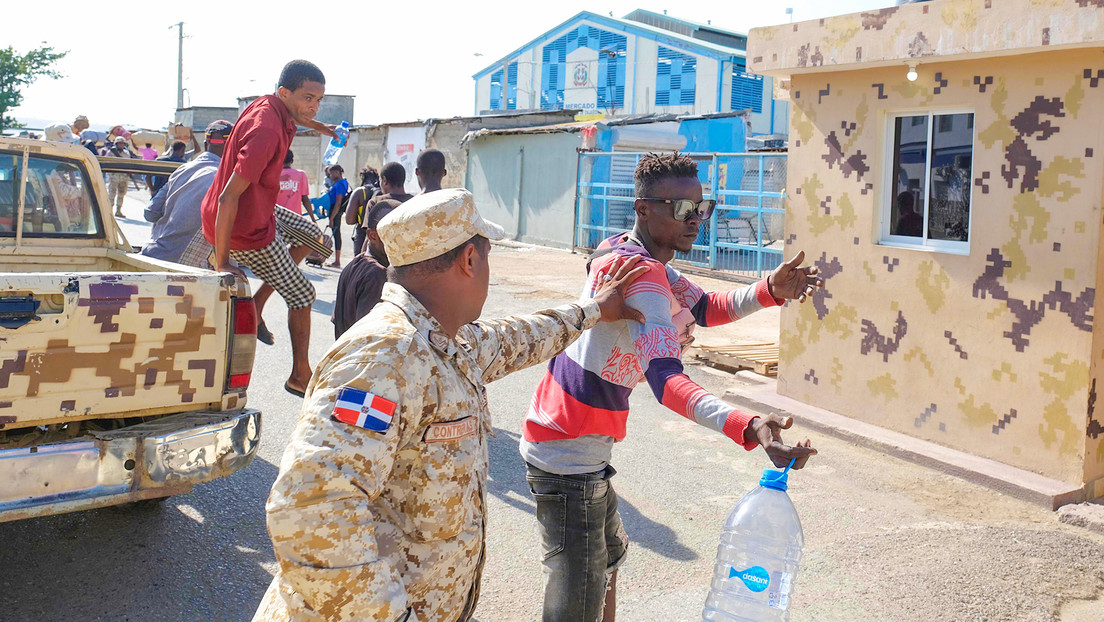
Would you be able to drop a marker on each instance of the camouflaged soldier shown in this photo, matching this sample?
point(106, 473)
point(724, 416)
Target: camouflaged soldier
point(379, 511)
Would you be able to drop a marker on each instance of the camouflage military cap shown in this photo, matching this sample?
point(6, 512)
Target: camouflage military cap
point(432, 224)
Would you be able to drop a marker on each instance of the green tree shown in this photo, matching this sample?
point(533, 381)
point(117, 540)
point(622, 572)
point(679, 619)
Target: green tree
point(19, 70)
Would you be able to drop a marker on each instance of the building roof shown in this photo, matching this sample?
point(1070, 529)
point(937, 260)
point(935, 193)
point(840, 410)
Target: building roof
point(207, 108)
point(250, 98)
point(508, 114)
point(661, 35)
point(697, 30)
point(556, 128)
point(505, 117)
point(568, 128)
point(935, 31)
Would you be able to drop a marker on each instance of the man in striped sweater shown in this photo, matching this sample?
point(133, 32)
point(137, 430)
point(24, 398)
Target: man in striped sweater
point(581, 405)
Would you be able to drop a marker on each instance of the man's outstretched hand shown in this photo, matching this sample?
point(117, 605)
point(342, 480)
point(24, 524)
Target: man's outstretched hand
point(792, 282)
point(767, 431)
point(611, 286)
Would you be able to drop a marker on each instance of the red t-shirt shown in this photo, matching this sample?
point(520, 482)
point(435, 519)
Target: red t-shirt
point(255, 151)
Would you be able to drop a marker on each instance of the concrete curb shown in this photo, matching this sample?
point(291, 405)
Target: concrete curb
point(759, 395)
point(1087, 515)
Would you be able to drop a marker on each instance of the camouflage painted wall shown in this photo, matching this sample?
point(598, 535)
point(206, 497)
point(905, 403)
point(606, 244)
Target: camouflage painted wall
point(925, 31)
point(988, 352)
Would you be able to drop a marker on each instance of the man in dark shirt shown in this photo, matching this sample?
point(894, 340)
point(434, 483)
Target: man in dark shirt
point(239, 217)
point(177, 155)
point(358, 200)
point(430, 170)
point(392, 180)
point(361, 282)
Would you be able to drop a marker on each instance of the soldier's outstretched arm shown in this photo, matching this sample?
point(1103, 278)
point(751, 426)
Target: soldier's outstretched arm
point(358, 414)
point(508, 345)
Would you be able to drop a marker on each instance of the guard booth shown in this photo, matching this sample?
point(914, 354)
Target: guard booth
point(744, 237)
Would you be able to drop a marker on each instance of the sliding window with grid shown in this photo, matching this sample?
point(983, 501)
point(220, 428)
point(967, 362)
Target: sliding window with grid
point(929, 167)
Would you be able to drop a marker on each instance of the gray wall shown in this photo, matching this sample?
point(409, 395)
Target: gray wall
point(526, 183)
point(336, 108)
point(199, 117)
point(446, 135)
point(368, 146)
point(333, 109)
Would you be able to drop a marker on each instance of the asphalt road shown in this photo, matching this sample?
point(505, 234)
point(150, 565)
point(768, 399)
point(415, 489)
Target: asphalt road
point(885, 539)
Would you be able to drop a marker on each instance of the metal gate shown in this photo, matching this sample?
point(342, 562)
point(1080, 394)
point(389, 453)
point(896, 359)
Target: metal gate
point(744, 235)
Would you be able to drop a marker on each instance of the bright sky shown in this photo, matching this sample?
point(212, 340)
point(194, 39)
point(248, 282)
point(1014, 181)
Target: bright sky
point(403, 60)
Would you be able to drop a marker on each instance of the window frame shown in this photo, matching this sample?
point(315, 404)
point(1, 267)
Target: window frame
point(19, 232)
point(889, 184)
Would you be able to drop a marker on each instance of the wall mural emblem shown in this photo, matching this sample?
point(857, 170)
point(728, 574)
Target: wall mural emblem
point(581, 74)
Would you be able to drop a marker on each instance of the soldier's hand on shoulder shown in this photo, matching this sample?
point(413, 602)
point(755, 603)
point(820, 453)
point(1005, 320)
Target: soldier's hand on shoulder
point(610, 290)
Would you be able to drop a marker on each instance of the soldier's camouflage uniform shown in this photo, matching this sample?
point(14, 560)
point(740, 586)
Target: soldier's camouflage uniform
point(367, 524)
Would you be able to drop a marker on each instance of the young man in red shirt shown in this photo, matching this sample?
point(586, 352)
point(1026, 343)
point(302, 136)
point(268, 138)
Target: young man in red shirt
point(238, 210)
point(581, 407)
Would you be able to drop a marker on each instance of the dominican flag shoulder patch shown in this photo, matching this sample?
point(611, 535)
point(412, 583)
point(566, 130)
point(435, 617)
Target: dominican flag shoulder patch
point(363, 409)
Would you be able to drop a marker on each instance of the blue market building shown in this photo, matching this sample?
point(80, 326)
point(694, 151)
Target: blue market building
point(645, 63)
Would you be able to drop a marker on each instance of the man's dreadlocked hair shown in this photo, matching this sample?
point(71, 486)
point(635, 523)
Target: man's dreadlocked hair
point(655, 167)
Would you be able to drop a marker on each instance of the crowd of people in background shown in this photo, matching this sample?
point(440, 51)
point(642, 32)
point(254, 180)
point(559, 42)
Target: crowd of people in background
point(175, 208)
point(121, 143)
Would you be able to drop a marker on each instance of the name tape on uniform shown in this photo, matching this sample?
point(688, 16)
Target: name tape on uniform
point(363, 409)
point(451, 431)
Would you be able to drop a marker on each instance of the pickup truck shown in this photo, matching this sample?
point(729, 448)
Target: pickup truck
point(122, 378)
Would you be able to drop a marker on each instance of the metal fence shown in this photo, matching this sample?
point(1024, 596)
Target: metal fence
point(744, 235)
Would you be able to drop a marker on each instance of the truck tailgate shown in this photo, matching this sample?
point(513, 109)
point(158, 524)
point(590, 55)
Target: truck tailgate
point(102, 344)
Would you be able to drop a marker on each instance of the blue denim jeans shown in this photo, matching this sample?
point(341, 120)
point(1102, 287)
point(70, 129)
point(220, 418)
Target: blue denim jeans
point(582, 538)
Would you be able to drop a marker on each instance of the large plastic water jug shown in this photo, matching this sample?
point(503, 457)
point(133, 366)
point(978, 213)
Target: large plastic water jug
point(758, 557)
point(333, 150)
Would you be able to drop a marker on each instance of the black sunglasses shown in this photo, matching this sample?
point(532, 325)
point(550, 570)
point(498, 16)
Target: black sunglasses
point(683, 208)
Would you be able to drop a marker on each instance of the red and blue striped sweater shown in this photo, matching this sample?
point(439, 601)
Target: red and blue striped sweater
point(581, 406)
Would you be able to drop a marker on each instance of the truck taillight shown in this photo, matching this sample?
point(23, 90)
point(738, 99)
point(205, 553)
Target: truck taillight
point(243, 343)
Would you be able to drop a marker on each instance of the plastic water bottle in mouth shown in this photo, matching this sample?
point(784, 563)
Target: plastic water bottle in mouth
point(758, 557)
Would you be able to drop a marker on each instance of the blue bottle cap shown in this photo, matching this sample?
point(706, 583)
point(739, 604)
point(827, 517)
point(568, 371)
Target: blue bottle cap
point(775, 480)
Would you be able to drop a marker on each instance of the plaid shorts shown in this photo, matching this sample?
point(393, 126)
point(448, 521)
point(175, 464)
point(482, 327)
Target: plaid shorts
point(273, 265)
point(198, 252)
point(297, 230)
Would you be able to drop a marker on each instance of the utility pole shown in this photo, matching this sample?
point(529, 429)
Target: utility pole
point(179, 65)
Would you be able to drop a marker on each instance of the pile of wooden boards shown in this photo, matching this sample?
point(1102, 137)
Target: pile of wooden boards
point(760, 357)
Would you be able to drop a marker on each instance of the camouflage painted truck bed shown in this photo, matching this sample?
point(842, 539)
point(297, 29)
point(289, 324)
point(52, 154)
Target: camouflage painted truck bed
point(121, 377)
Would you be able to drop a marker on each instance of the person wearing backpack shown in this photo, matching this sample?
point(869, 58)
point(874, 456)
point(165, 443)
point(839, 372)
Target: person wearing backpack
point(354, 214)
